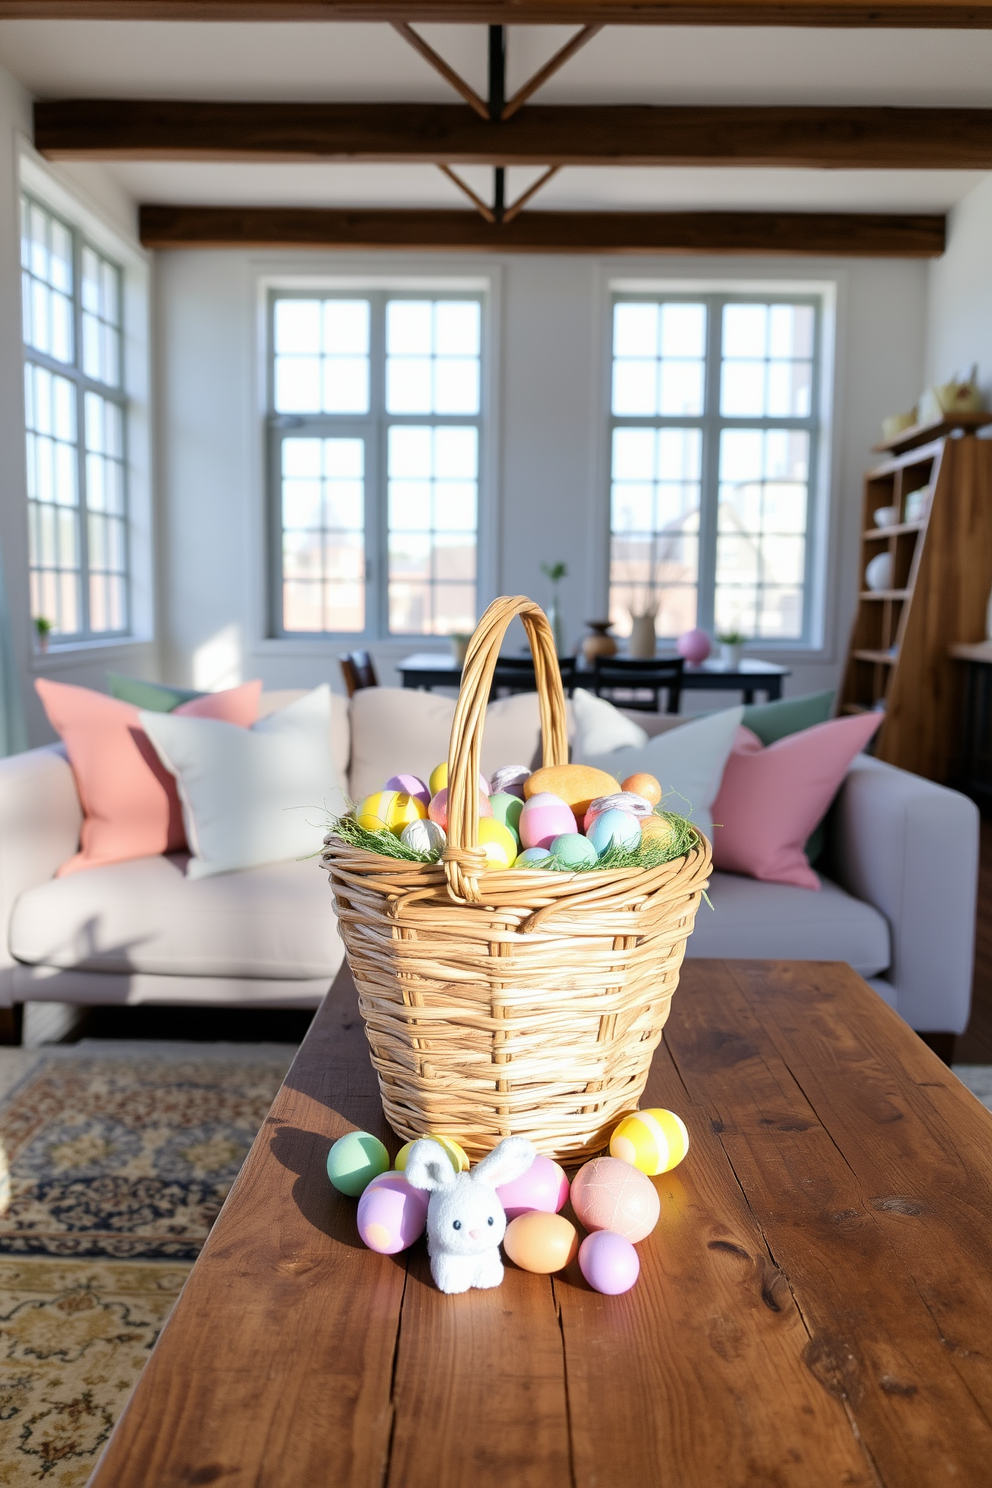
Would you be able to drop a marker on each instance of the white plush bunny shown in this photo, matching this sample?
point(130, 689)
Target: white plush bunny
point(465, 1219)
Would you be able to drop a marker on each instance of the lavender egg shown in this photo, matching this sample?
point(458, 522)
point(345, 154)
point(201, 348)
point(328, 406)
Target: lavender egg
point(544, 818)
point(609, 1263)
point(627, 801)
point(409, 785)
point(614, 829)
point(391, 1214)
point(543, 1186)
point(509, 780)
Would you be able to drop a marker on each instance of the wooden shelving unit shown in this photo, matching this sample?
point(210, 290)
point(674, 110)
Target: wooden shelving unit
point(898, 659)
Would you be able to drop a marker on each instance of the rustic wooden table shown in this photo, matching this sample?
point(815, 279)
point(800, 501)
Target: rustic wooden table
point(813, 1309)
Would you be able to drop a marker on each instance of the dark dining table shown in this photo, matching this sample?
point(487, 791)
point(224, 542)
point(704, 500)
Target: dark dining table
point(428, 669)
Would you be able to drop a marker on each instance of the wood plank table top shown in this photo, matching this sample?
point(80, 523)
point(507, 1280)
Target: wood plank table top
point(814, 1307)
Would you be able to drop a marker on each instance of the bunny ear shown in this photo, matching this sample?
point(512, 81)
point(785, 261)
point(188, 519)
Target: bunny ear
point(428, 1166)
point(509, 1160)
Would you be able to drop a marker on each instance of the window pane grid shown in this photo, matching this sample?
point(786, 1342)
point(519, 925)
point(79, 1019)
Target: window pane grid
point(709, 513)
point(75, 438)
point(408, 539)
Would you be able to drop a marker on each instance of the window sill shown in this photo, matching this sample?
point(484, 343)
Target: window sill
point(66, 655)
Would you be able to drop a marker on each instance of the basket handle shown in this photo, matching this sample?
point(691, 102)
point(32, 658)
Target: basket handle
point(464, 860)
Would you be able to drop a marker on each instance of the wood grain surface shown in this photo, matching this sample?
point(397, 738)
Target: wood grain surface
point(812, 1309)
point(848, 234)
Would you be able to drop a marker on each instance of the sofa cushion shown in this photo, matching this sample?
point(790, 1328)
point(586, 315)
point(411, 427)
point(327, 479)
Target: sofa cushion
point(147, 916)
point(779, 922)
point(271, 702)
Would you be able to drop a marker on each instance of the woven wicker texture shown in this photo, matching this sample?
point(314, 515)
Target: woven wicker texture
point(515, 1002)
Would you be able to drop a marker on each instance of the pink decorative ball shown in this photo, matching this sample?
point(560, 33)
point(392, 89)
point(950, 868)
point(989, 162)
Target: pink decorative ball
point(438, 808)
point(392, 1214)
point(543, 1186)
point(609, 1263)
point(544, 817)
point(608, 1194)
point(694, 645)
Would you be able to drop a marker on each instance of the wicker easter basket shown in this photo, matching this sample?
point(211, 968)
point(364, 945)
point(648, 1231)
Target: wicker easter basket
point(517, 1002)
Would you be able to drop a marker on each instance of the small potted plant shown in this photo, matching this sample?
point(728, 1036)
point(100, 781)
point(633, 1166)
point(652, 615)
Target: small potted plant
point(43, 629)
point(459, 645)
point(732, 644)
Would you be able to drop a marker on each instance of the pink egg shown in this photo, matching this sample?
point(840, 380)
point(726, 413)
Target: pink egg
point(543, 1186)
point(609, 1263)
point(392, 1214)
point(544, 818)
point(608, 1194)
point(410, 785)
point(438, 808)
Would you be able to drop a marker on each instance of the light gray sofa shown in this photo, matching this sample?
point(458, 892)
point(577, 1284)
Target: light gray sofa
point(900, 906)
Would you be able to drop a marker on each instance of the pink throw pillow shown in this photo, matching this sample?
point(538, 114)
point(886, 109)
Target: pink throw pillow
point(129, 800)
point(771, 799)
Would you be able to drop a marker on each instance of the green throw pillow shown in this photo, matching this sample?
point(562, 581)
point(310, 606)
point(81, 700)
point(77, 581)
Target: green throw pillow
point(773, 721)
point(155, 697)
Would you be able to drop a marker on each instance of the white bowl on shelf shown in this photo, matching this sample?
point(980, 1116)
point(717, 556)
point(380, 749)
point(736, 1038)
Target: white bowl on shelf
point(886, 516)
point(878, 574)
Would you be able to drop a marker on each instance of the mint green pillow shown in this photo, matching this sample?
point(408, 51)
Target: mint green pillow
point(773, 721)
point(154, 697)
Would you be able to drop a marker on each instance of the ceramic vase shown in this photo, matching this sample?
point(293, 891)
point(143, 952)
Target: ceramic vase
point(554, 620)
point(731, 655)
point(600, 643)
point(642, 637)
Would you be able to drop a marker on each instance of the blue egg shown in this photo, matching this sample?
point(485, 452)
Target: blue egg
point(573, 850)
point(614, 829)
point(532, 857)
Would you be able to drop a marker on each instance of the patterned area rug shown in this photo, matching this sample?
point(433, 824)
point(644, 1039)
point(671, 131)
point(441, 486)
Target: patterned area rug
point(113, 1167)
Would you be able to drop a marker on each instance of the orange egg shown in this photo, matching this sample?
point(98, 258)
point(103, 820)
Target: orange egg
point(541, 1242)
point(656, 829)
point(643, 785)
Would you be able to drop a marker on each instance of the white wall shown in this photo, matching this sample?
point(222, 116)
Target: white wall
point(960, 298)
point(549, 432)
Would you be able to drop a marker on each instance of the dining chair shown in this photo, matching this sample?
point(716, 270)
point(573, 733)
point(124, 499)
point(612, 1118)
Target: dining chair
point(516, 674)
point(624, 680)
point(358, 671)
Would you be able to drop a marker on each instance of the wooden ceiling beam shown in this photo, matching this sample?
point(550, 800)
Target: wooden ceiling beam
point(452, 134)
point(850, 14)
point(850, 234)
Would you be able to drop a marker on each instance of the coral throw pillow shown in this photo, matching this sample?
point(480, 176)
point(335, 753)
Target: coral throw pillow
point(129, 800)
point(770, 799)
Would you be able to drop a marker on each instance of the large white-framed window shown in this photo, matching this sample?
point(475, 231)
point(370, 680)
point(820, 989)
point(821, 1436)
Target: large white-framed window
point(76, 417)
point(376, 419)
point(715, 435)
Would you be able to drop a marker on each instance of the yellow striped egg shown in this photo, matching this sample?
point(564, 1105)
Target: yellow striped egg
point(456, 1155)
point(392, 809)
point(654, 1141)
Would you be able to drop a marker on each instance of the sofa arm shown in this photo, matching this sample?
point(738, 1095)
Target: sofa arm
point(910, 848)
point(40, 818)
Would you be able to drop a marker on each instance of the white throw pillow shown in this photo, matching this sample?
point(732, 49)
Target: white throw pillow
point(251, 796)
point(600, 728)
point(688, 762)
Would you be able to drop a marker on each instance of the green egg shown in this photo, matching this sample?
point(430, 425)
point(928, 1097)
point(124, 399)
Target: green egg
point(354, 1161)
point(573, 850)
point(507, 809)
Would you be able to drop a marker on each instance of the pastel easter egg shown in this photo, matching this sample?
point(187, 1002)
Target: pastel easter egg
point(615, 829)
point(510, 779)
point(424, 836)
point(543, 1186)
point(438, 779)
point(608, 1194)
point(507, 809)
point(498, 843)
point(354, 1160)
point(577, 785)
point(533, 857)
point(541, 1242)
point(389, 808)
point(619, 801)
point(456, 1154)
point(609, 1262)
point(544, 818)
point(410, 785)
point(642, 784)
point(654, 1141)
point(656, 829)
point(391, 1214)
point(573, 850)
point(438, 809)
